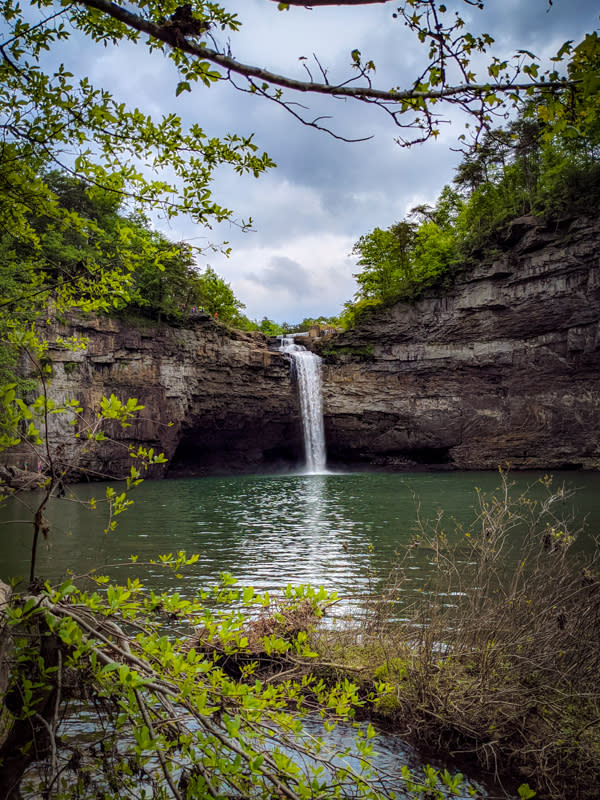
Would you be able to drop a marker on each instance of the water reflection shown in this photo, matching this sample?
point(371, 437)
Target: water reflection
point(339, 531)
point(291, 530)
point(337, 748)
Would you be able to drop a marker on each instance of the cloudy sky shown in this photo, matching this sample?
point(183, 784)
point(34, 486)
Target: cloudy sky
point(325, 193)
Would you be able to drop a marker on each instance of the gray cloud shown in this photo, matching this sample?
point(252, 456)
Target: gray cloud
point(287, 274)
point(324, 193)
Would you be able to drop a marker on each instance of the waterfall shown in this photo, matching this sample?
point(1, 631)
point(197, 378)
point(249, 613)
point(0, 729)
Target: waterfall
point(307, 367)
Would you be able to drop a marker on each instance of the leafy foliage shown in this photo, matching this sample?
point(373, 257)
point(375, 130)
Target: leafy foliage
point(64, 245)
point(307, 322)
point(217, 296)
point(537, 165)
point(384, 256)
point(404, 260)
point(190, 717)
point(80, 252)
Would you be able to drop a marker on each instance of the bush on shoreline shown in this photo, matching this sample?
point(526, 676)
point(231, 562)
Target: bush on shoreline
point(498, 658)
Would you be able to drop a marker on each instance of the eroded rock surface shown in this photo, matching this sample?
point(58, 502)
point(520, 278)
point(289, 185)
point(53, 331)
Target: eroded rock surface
point(506, 367)
point(214, 400)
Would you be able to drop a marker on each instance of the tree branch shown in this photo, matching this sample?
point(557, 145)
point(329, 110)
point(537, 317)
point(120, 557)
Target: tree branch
point(314, 3)
point(310, 3)
point(165, 34)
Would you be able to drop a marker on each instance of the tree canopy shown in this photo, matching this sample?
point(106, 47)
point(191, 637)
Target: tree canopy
point(529, 167)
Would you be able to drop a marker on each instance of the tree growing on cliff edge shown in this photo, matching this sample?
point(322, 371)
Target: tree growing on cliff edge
point(536, 165)
point(385, 259)
point(401, 262)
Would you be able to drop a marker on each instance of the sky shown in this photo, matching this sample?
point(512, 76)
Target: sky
point(324, 194)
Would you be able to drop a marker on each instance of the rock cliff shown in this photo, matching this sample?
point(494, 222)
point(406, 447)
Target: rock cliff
point(505, 367)
point(214, 400)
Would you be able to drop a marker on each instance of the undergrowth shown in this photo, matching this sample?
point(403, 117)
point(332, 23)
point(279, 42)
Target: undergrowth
point(497, 659)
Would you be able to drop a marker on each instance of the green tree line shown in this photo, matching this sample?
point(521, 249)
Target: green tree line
point(542, 163)
point(152, 277)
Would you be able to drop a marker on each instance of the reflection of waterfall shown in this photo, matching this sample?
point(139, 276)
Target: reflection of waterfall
point(308, 372)
point(314, 502)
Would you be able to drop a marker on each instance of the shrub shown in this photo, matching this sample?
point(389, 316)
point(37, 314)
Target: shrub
point(498, 656)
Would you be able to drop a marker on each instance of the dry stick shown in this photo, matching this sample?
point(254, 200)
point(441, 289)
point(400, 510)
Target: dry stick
point(39, 514)
point(52, 728)
point(166, 703)
point(58, 691)
point(51, 736)
point(159, 753)
point(331, 664)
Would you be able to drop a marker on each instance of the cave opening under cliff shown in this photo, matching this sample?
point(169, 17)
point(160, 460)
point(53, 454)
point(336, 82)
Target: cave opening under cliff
point(243, 450)
point(405, 459)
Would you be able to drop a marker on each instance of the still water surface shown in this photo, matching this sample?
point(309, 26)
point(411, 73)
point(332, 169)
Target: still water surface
point(341, 531)
point(334, 530)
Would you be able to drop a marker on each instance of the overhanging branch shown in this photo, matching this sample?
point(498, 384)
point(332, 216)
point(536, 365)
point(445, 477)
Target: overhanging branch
point(315, 3)
point(166, 34)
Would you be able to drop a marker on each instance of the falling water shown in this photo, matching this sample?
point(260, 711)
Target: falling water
point(307, 366)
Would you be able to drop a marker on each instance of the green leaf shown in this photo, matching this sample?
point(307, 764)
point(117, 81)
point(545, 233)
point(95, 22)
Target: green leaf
point(182, 86)
point(525, 792)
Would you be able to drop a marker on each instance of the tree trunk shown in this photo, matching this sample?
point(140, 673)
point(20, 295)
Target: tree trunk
point(22, 741)
point(5, 651)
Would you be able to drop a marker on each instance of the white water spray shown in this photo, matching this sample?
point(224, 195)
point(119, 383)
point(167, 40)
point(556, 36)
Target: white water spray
point(307, 366)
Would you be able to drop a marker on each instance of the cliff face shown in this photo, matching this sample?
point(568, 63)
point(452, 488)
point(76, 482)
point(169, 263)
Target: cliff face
point(213, 400)
point(506, 367)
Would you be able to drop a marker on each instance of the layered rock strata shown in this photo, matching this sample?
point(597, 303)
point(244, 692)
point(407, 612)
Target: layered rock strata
point(505, 367)
point(214, 400)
